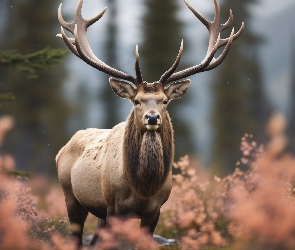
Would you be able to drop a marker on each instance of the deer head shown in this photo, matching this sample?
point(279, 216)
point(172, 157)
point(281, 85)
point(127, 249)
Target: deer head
point(149, 99)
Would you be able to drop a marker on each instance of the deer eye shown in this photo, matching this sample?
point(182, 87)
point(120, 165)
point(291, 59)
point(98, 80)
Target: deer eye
point(136, 102)
point(165, 101)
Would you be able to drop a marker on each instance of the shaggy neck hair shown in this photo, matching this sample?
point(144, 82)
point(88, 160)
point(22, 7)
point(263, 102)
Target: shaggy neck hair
point(147, 157)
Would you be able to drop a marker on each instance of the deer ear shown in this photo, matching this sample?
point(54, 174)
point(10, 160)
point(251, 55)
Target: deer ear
point(122, 89)
point(177, 90)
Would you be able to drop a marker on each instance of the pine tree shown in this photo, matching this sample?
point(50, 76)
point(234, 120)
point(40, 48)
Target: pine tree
point(162, 37)
point(237, 91)
point(108, 96)
point(39, 109)
point(291, 124)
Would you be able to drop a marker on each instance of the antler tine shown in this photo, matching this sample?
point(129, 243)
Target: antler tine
point(214, 27)
point(70, 42)
point(217, 12)
point(137, 67)
point(215, 43)
point(170, 71)
point(97, 63)
point(68, 26)
point(84, 25)
point(228, 22)
point(195, 69)
point(79, 17)
point(198, 14)
point(215, 62)
point(235, 36)
point(80, 45)
point(78, 12)
point(96, 18)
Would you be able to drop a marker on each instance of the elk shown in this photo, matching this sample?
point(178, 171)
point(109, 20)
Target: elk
point(127, 169)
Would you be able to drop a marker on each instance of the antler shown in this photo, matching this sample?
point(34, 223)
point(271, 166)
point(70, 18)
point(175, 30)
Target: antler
point(79, 45)
point(215, 42)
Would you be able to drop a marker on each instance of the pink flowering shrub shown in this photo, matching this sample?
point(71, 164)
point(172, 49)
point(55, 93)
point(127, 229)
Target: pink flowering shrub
point(244, 210)
point(125, 234)
point(11, 227)
point(19, 217)
point(192, 214)
point(262, 207)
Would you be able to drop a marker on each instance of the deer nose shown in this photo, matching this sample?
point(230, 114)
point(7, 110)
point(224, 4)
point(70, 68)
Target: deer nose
point(152, 119)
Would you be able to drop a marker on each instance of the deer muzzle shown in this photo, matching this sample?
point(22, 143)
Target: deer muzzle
point(152, 121)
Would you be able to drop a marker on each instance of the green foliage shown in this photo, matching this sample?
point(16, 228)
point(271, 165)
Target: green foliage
point(43, 229)
point(19, 174)
point(6, 97)
point(169, 248)
point(33, 62)
point(215, 248)
point(221, 224)
point(161, 229)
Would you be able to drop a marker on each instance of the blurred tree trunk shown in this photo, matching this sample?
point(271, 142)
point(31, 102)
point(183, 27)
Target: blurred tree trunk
point(291, 124)
point(239, 105)
point(162, 37)
point(109, 98)
point(40, 110)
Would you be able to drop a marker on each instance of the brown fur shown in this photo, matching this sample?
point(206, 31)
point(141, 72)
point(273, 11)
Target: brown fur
point(147, 161)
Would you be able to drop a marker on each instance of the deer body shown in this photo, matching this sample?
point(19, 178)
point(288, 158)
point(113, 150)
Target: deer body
point(91, 170)
point(127, 170)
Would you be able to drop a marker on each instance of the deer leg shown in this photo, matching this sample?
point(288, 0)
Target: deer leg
point(77, 215)
point(100, 224)
point(150, 221)
point(110, 213)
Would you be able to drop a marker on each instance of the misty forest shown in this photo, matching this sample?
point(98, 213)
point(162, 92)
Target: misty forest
point(233, 183)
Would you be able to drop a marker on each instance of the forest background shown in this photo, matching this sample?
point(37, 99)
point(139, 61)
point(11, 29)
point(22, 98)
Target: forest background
point(47, 94)
point(238, 97)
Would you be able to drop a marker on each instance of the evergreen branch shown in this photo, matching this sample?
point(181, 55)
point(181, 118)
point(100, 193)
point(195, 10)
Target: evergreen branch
point(6, 97)
point(34, 62)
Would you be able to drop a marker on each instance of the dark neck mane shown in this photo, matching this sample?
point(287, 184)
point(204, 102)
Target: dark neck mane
point(147, 157)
